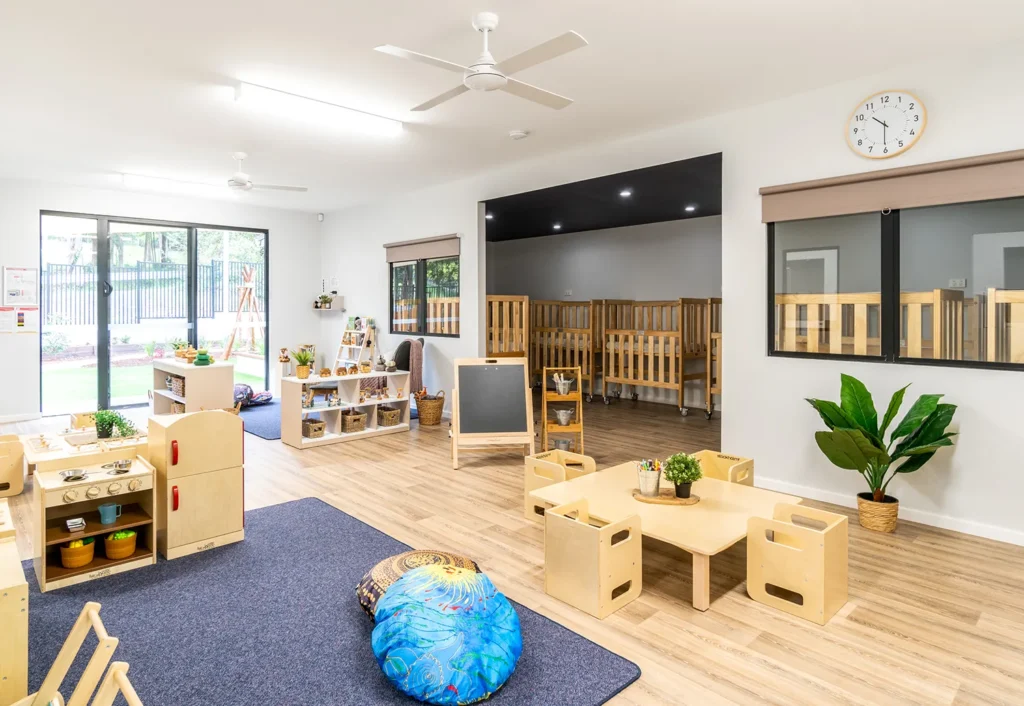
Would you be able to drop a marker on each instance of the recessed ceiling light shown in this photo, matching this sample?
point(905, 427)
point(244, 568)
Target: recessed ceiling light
point(625, 193)
point(311, 110)
point(690, 209)
point(489, 216)
point(557, 226)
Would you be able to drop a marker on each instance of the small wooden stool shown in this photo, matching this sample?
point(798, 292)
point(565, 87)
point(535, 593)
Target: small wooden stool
point(595, 569)
point(797, 562)
point(548, 468)
point(724, 467)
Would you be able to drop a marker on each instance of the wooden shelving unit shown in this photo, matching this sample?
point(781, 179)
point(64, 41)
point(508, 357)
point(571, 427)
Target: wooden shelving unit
point(550, 426)
point(132, 517)
point(347, 388)
point(56, 573)
point(207, 387)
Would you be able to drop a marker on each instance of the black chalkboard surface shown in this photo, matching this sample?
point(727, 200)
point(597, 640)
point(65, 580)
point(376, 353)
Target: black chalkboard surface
point(492, 399)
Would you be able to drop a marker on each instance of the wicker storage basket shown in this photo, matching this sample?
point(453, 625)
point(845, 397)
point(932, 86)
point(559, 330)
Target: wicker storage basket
point(353, 420)
point(388, 416)
point(429, 408)
point(119, 548)
point(880, 517)
point(177, 408)
point(177, 385)
point(312, 429)
point(78, 557)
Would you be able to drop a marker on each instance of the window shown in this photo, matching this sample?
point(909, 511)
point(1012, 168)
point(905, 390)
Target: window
point(939, 285)
point(425, 297)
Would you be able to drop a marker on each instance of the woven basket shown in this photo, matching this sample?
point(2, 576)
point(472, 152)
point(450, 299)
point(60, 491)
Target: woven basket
point(388, 416)
point(352, 420)
point(119, 548)
point(177, 385)
point(312, 429)
point(430, 408)
point(78, 557)
point(880, 517)
point(177, 408)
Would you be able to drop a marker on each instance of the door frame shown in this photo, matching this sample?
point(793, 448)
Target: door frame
point(103, 272)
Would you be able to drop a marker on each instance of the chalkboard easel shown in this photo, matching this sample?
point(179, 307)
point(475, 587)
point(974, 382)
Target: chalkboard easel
point(492, 406)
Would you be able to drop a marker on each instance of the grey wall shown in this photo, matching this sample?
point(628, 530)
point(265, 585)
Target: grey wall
point(654, 261)
point(860, 249)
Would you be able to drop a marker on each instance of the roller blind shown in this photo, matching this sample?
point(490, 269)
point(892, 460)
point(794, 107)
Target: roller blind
point(982, 178)
point(423, 249)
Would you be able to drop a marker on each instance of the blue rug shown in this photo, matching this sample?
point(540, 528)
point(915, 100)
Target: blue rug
point(274, 620)
point(263, 420)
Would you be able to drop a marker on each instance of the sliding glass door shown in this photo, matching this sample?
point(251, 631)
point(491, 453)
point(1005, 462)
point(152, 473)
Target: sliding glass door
point(118, 293)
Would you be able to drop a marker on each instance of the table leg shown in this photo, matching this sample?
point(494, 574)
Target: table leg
point(701, 581)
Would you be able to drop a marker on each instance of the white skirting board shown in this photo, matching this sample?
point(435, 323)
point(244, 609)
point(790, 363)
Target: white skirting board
point(934, 519)
point(20, 418)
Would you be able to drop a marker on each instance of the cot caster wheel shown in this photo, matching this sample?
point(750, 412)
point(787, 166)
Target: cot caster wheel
point(607, 401)
point(619, 393)
point(684, 411)
point(590, 398)
point(635, 396)
point(707, 415)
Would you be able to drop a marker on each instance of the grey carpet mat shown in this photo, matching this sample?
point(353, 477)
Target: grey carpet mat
point(274, 621)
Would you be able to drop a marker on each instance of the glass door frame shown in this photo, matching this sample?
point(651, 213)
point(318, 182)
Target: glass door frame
point(104, 289)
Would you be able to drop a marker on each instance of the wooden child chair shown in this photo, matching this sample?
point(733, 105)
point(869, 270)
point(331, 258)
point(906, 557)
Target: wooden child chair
point(595, 569)
point(797, 561)
point(724, 467)
point(116, 682)
point(49, 692)
point(548, 468)
point(12, 472)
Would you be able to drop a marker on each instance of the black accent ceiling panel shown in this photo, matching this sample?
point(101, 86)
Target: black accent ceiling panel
point(659, 193)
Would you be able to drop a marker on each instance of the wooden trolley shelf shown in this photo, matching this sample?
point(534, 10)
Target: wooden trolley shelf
point(555, 397)
point(556, 428)
point(56, 572)
point(131, 516)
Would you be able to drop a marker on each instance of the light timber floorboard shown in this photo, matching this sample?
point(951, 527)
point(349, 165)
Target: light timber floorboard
point(935, 617)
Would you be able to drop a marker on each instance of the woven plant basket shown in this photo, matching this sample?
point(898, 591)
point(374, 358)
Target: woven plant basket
point(177, 408)
point(430, 408)
point(178, 385)
point(352, 421)
point(119, 548)
point(302, 371)
point(78, 557)
point(880, 517)
point(312, 429)
point(388, 416)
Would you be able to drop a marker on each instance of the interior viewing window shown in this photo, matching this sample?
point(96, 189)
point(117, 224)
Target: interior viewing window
point(952, 277)
point(827, 288)
point(425, 297)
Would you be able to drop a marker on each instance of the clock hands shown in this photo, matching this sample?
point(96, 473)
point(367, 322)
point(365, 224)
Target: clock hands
point(885, 127)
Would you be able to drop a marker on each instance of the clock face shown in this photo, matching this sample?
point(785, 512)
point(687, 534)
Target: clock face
point(886, 124)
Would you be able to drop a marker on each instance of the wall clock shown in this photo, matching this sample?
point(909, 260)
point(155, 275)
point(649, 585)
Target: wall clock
point(886, 124)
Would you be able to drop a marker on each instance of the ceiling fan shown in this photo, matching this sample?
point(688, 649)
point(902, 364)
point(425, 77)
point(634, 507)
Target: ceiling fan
point(486, 75)
point(241, 181)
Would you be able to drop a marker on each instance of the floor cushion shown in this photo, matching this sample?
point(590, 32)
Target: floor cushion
point(445, 635)
point(377, 580)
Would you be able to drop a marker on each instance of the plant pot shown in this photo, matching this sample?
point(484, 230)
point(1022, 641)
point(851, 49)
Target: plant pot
point(880, 517)
point(649, 482)
point(302, 371)
point(683, 490)
point(104, 432)
point(119, 548)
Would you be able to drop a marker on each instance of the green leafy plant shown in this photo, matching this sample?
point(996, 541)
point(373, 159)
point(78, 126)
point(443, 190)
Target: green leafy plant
point(682, 468)
point(326, 299)
point(121, 534)
point(303, 357)
point(856, 440)
point(178, 344)
point(107, 420)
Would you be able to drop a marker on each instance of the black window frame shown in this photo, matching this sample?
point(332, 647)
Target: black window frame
point(421, 296)
point(890, 313)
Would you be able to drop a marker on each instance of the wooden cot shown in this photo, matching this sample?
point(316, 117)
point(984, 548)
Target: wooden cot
point(1004, 321)
point(939, 324)
point(508, 326)
point(647, 344)
point(563, 335)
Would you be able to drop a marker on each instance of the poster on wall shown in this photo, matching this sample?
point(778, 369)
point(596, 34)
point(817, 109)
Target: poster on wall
point(27, 319)
point(8, 319)
point(20, 286)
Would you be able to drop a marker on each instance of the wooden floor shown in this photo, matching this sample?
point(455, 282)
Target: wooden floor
point(934, 617)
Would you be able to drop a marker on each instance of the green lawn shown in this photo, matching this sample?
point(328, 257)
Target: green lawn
point(74, 389)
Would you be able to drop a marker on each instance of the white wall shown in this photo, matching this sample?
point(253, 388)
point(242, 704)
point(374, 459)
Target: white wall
point(974, 487)
point(293, 236)
point(655, 261)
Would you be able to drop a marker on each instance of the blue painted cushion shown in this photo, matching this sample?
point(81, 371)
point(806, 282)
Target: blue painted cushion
point(445, 635)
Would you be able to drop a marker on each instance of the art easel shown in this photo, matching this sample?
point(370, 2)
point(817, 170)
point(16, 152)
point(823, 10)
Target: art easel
point(249, 306)
point(492, 440)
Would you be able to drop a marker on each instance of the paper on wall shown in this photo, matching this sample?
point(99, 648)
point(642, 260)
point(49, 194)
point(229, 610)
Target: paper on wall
point(8, 319)
point(27, 319)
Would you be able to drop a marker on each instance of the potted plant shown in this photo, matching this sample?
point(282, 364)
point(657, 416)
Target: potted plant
point(325, 301)
point(683, 470)
point(856, 441)
point(107, 420)
point(303, 362)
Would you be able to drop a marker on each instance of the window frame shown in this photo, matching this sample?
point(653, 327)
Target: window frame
point(890, 311)
point(421, 296)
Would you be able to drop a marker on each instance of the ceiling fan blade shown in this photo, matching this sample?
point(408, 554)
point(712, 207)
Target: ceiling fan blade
point(421, 58)
point(563, 44)
point(537, 95)
point(446, 96)
point(277, 187)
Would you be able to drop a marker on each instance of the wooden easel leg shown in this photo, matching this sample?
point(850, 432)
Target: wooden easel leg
point(701, 581)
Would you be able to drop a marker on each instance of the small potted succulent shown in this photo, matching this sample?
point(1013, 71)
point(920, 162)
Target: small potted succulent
point(683, 470)
point(324, 302)
point(303, 363)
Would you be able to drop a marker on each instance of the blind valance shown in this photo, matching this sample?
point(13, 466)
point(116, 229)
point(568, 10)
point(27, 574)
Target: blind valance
point(423, 249)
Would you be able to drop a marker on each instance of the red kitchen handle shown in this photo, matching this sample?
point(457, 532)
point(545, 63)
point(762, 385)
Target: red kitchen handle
point(174, 452)
point(174, 498)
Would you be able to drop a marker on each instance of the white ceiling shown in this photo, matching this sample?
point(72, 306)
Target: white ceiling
point(94, 88)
